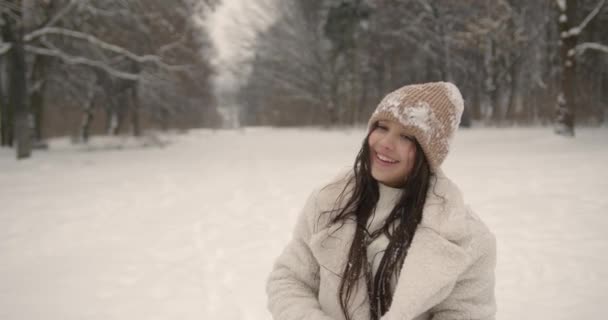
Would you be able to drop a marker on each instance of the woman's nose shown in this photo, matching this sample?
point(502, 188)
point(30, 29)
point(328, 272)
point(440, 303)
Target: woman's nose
point(387, 142)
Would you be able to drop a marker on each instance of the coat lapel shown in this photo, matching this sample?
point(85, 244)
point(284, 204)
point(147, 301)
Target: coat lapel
point(437, 255)
point(428, 275)
point(331, 247)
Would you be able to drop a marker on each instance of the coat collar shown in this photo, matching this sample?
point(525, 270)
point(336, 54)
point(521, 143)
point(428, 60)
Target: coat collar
point(435, 259)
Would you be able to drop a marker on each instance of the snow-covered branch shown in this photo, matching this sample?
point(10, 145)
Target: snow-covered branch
point(62, 13)
point(575, 31)
point(102, 44)
point(8, 5)
point(69, 59)
point(581, 48)
point(7, 8)
point(4, 47)
point(172, 45)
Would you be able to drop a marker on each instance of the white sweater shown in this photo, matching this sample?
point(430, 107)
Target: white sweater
point(448, 273)
point(388, 198)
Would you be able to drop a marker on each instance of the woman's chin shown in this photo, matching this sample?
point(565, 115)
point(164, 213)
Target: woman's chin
point(382, 178)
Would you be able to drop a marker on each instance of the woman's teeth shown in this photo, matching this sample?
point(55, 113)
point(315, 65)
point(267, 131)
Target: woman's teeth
point(385, 159)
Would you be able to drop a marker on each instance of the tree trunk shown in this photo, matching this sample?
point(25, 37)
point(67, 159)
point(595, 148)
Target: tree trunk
point(87, 117)
point(446, 56)
point(564, 111)
point(18, 91)
point(113, 123)
point(85, 127)
point(134, 103)
point(6, 108)
point(475, 106)
point(514, 106)
point(333, 106)
point(362, 97)
point(489, 98)
point(36, 71)
point(445, 66)
point(114, 114)
point(3, 105)
point(37, 100)
point(37, 97)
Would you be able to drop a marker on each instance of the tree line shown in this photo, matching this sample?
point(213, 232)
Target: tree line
point(131, 63)
point(329, 62)
point(79, 67)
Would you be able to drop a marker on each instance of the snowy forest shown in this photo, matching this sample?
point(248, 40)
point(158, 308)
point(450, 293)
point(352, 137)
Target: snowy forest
point(82, 67)
point(71, 67)
point(517, 62)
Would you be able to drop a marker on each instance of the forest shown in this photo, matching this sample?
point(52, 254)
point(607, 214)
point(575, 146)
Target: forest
point(82, 67)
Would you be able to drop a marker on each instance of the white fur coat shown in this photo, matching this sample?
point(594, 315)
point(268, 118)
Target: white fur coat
point(448, 273)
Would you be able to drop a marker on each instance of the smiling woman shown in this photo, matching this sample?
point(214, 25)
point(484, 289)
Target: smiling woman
point(391, 239)
point(393, 153)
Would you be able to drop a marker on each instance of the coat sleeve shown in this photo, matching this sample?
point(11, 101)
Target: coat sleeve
point(293, 284)
point(473, 295)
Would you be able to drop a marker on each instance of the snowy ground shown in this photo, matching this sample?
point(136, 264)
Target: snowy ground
point(190, 231)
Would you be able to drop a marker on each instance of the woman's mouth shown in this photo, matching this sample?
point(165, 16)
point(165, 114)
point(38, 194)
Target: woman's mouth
point(384, 160)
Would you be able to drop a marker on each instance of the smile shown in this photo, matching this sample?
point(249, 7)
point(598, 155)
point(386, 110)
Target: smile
point(384, 159)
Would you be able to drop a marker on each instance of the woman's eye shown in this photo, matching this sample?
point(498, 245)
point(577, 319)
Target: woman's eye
point(381, 127)
point(406, 137)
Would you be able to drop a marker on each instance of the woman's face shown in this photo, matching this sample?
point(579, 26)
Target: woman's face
point(392, 153)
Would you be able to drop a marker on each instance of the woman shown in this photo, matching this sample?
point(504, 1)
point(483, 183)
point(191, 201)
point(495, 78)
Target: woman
point(391, 239)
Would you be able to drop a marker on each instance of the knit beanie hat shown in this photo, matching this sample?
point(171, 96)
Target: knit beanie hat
point(430, 112)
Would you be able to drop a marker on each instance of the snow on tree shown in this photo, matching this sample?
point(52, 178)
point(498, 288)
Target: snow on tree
point(117, 51)
point(569, 48)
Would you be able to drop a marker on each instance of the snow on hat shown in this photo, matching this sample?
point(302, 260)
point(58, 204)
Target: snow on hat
point(430, 112)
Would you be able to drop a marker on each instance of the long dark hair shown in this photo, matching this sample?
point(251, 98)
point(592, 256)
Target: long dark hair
point(362, 194)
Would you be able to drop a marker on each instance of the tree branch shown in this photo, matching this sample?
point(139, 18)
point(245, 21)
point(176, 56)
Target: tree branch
point(172, 45)
point(61, 14)
point(102, 44)
point(9, 6)
point(575, 31)
point(5, 47)
point(581, 48)
point(82, 61)
point(10, 12)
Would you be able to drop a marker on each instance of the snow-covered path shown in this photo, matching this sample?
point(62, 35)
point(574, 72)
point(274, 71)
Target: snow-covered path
point(190, 231)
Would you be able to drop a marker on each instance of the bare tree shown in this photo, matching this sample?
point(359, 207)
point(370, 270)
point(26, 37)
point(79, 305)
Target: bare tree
point(306, 57)
point(569, 48)
point(13, 30)
point(124, 47)
point(326, 62)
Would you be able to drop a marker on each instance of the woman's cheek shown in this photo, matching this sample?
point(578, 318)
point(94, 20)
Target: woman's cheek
point(372, 138)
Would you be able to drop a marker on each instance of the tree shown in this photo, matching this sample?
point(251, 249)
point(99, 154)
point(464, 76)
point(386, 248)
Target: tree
point(119, 54)
point(569, 48)
point(12, 18)
point(325, 60)
point(305, 59)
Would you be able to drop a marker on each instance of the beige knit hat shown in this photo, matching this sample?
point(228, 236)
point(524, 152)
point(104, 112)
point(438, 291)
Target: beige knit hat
point(430, 112)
